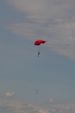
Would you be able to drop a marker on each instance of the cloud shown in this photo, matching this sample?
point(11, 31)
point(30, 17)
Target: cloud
point(43, 111)
point(25, 29)
point(16, 106)
point(9, 94)
point(33, 8)
point(61, 108)
point(42, 8)
point(64, 39)
point(55, 19)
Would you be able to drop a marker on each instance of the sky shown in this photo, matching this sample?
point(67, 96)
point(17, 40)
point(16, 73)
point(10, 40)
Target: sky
point(44, 84)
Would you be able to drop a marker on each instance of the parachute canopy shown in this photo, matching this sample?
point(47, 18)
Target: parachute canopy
point(39, 42)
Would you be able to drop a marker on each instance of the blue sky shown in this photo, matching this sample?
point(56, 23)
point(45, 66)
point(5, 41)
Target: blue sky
point(52, 74)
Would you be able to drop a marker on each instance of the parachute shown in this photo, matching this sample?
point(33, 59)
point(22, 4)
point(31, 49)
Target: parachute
point(38, 43)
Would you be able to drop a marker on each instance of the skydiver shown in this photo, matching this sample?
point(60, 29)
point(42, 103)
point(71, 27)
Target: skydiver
point(38, 53)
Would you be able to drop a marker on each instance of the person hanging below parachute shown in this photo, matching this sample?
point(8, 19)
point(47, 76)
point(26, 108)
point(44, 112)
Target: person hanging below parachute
point(38, 43)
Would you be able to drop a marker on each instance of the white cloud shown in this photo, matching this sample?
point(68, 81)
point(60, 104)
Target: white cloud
point(16, 106)
point(42, 9)
point(9, 93)
point(54, 18)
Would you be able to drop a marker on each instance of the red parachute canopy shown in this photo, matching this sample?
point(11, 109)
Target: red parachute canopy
point(39, 42)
